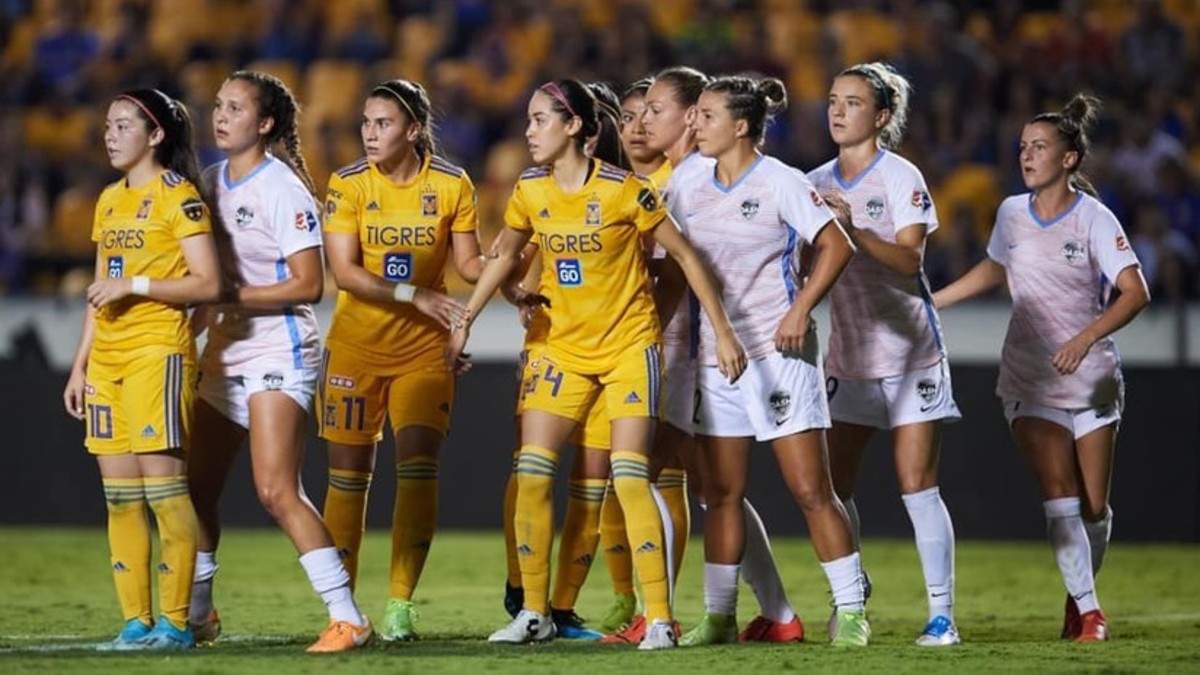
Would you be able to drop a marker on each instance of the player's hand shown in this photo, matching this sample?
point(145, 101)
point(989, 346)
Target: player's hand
point(73, 394)
point(457, 360)
point(789, 337)
point(1070, 355)
point(840, 207)
point(440, 307)
point(106, 291)
point(527, 313)
point(731, 356)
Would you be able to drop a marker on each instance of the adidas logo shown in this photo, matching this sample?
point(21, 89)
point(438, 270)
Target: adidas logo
point(373, 206)
point(524, 549)
point(343, 553)
point(647, 547)
point(120, 567)
point(148, 432)
point(164, 568)
point(633, 398)
point(619, 548)
point(584, 560)
point(544, 213)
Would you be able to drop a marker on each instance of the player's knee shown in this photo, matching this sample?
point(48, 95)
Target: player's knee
point(813, 496)
point(276, 497)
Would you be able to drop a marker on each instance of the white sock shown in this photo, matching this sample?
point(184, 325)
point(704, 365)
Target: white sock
point(664, 514)
point(855, 524)
point(845, 580)
point(1068, 538)
point(331, 581)
point(760, 572)
point(202, 585)
point(720, 588)
point(935, 544)
point(1098, 534)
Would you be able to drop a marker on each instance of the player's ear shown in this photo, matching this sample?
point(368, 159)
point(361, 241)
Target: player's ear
point(157, 136)
point(265, 125)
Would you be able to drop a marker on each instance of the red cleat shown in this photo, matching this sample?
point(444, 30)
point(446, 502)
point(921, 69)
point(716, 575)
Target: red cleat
point(1071, 625)
point(762, 629)
point(629, 635)
point(1093, 627)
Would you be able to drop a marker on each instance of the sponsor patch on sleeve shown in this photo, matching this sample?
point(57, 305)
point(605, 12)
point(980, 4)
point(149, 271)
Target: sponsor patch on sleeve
point(193, 208)
point(647, 200)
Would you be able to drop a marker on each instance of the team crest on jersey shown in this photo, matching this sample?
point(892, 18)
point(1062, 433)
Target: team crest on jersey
point(875, 208)
point(243, 217)
point(593, 212)
point(647, 199)
point(143, 211)
point(927, 389)
point(749, 208)
point(306, 221)
point(341, 382)
point(781, 404)
point(921, 200)
point(429, 203)
point(272, 381)
point(816, 198)
point(193, 208)
point(1073, 252)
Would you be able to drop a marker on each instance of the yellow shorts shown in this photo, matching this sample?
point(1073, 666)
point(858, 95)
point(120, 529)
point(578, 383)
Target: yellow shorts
point(354, 396)
point(142, 404)
point(629, 389)
point(595, 432)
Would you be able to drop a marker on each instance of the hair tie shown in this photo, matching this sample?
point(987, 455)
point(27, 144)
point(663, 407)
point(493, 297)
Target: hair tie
point(395, 94)
point(144, 108)
point(557, 94)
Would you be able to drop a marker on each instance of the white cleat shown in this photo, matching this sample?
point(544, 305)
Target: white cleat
point(939, 632)
point(527, 626)
point(660, 635)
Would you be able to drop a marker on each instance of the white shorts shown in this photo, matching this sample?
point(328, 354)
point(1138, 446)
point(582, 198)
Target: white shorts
point(777, 396)
point(230, 395)
point(1079, 421)
point(680, 404)
point(923, 395)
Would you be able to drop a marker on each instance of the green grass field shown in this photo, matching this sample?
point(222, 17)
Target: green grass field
point(59, 602)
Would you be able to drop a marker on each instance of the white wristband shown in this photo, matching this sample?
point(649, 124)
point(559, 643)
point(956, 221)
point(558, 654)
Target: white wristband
point(140, 285)
point(404, 292)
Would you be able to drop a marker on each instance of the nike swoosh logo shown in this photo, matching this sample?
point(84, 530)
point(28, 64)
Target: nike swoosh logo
point(939, 595)
point(782, 422)
point(926, 408)
point(1012, 246)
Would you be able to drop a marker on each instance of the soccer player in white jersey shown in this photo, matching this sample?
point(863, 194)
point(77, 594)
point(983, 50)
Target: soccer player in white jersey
point(886, 366)
point(260, 366)
point(749, 216)
point(1060, 251)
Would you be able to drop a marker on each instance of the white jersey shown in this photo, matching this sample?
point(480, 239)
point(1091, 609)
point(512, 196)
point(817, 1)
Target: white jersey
point(750, 234)
point(882, 323)
point(1057, 274)
point(684, 323)
point(264, 218)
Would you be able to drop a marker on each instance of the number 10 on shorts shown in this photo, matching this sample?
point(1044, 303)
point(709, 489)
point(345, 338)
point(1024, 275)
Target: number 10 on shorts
point(397, 266)
point(570, 272)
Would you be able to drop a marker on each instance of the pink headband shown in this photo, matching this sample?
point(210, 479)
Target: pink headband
point(143, 108)
point(557, 94)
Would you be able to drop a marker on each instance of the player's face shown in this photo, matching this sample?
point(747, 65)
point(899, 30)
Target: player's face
point(388, 134)
point(546, 132)
point(853, 117)
point(237, 125)
point(1044, 156)
point(716, 130)
point(127, 140)
point(665, 119)
point(633, 134)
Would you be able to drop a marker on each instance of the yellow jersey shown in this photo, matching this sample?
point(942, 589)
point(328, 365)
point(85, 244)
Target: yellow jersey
point(661, 175)
point(137, 233)
point(404, 232)
point(593, 269)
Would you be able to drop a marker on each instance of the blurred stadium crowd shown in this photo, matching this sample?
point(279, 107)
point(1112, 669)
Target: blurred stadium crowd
point(980, 70)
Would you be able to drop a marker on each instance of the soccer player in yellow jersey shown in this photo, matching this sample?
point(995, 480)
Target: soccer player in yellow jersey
point(134, 375)
point(393, 218)
point(588, 217)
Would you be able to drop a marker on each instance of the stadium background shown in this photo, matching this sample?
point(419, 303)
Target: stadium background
point(980, 70)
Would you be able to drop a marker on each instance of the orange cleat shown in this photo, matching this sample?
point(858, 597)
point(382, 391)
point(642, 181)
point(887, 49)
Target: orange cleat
point(1071, 625)
point(342, 636)
point(631, 634)
point(1093, 627)
point(762, 629)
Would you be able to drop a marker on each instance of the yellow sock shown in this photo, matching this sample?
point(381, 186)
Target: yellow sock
point(534, 523)
point(177, 531)
point(577, 544)
point(615, 544)
point(510, 532)
point(346, 515)
point(631, 479)
point(672, 485)
point(414, 521)
point(129, 544)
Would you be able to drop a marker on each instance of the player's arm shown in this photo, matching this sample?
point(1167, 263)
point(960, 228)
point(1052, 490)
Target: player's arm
point(904, 256)
point(833, 252)
point(507, 257)
point(201, 284)
point(669, 289)
point(1134, 296)
point(982, 278)
point(731, 355)
point(73, 393)
point(345, 261)
point(468, 255)
point(305, 283)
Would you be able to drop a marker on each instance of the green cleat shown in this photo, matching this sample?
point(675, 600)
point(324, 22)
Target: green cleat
point(619, 614)
point(398, 621)
point(713, 629)
point(852, 629)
